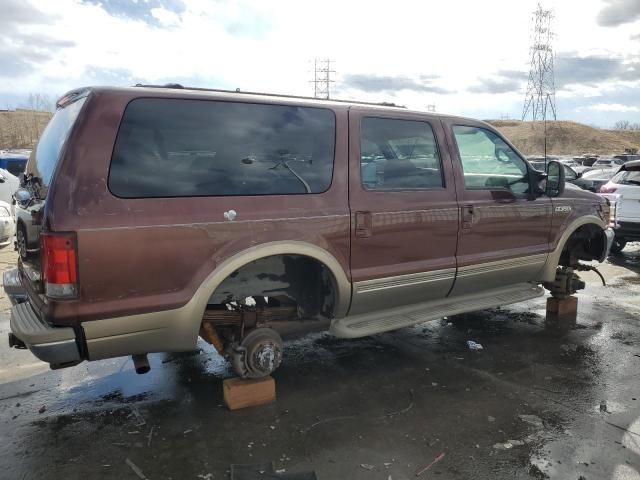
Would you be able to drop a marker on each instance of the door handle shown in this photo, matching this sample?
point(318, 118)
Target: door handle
point(363, 224)
point(467, 217)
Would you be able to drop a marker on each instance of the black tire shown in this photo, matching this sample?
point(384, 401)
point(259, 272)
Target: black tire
point(618, 245)
point(21, 242)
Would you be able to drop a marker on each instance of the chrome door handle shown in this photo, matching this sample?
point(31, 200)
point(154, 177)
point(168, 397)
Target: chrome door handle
point(467, 217)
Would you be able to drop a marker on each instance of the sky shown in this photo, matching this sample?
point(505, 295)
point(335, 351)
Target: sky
point(466, 57)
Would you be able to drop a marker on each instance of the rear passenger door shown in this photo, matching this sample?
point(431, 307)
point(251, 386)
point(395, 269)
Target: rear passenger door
point(404, 216)
point(504, 234)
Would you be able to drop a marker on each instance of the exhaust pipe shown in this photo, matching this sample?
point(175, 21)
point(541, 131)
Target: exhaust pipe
point(141, 363)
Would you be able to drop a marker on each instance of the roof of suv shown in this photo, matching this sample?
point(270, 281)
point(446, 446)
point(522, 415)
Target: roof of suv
point(178, 91)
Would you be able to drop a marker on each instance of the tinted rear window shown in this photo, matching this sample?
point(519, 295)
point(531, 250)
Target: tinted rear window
point(47, 154)
point(181, 148)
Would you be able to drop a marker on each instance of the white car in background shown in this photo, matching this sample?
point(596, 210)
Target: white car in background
point(623, 192)
point(9, 183)
point(7, 224)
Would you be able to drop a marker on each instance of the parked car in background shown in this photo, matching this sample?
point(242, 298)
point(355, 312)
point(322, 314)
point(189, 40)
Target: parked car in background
point(592, 180)
point(169, 213)
point(14, 161)
point(586, 160)
point(627, 157)
point(7, 224)
point(623, 192)
point(571, 175)
point(9, 183)
point(607, 163)
point(570, 162)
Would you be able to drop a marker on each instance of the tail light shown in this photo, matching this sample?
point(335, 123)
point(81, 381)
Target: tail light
point(607, 188)
point(59, 266)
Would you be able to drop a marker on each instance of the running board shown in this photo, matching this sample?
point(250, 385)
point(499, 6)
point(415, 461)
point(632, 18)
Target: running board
point(371, 323)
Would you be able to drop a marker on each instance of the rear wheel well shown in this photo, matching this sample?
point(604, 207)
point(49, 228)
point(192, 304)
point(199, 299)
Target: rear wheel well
point(290, 293)
point(586, 243)
point(297, 279)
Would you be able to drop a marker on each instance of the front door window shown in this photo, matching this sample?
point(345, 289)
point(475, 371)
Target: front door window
point(488, 162)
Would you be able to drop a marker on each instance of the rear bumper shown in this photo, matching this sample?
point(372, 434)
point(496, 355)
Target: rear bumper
point(55, 345)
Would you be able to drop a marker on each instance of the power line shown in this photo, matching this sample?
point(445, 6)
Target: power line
point(541, 90)
point(322, 78)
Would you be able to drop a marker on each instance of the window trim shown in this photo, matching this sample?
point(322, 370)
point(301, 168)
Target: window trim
point(491, 189)
point(217, 100)
point(443, 185)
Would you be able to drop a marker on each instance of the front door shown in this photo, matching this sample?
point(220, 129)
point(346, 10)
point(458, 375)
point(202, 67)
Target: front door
point(504, 234)
point(404, 215)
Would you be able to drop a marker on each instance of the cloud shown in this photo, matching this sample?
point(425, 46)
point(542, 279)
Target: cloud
point(165, 17)
point(20, 50)
point(16, 13)
point(488, 85)
point(153, 12)
point(373, 83)
point(618, 12)
point(25, 51)
point(514, 74)
point(105, 76)
point(504, 81)
point(589, 70)
point(613, 107)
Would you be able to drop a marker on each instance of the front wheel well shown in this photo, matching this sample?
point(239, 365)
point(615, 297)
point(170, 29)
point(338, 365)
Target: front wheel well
point(587, 242)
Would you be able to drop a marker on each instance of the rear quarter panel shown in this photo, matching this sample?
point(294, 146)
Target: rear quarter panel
point(144, 255)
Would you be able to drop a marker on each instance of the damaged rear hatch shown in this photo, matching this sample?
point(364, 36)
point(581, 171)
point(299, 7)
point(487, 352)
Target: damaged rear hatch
point(31, 199)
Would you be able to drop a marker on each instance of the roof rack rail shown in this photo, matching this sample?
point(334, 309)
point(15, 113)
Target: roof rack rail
point(237, 90)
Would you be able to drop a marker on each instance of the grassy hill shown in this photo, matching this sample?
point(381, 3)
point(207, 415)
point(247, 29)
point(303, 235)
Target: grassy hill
point(566, 138)
point(21, 128)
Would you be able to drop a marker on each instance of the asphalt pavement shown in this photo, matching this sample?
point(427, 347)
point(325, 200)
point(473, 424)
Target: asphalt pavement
point(537, 401)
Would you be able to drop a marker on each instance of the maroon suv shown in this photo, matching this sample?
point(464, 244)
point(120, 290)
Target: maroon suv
point(164, 214)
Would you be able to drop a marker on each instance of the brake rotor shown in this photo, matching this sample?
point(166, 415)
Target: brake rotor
point(261, 353)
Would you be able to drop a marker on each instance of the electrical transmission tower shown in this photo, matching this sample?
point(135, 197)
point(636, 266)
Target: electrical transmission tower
point(322, 78)
point(541, 89)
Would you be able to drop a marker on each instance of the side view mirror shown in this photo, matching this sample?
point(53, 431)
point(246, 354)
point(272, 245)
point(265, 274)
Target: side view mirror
point(23, 196)
point(2, 179)
point(555, 179)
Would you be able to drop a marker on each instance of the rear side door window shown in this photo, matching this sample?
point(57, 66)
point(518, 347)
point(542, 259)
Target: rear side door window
point(398, 154)
point(184, 148)
point(488, 163)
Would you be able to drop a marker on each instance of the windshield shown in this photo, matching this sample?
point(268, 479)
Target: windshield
point(43, 161)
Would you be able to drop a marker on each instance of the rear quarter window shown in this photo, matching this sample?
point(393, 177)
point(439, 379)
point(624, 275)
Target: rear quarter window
point(184, 148)
point(44, 160)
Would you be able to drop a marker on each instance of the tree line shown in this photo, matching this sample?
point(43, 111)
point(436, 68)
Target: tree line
point(626, 125)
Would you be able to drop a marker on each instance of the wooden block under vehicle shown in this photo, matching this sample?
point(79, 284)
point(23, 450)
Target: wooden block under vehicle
point(560, 307)
point(243, 393)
